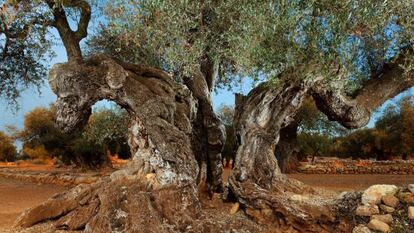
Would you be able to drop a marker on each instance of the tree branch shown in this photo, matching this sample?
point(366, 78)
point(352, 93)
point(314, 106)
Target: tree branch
point(70, 38)
point(355, 112)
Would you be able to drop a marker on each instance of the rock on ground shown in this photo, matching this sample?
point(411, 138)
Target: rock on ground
point(411, 212)
point(367, 210)
point(387, 218)
point(387, 209)
point(378, 225)
point(390, 200)
point(374, 194)
point(361, 229)
point(411, 188)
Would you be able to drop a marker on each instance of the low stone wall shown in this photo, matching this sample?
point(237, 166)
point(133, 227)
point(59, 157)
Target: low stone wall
point(63, 179)
point(343, 166)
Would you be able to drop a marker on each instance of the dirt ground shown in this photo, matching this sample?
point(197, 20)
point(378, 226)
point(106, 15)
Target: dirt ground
point(339, 182)
point(16, 196)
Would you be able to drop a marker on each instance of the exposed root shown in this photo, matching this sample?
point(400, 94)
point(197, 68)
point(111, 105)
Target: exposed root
point(290, 206)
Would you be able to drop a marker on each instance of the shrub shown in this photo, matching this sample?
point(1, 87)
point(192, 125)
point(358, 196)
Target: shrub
point(7, 148)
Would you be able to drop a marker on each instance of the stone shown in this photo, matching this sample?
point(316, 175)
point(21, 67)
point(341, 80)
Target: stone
point(374, 194)
point(387, 209)
point(411, 188)
point(406, 197)
point(367, 210)
point(235, 208)
point(378, 225)
point(390, 200)
point(387, 218)
point(361, 229)
point(411, 212)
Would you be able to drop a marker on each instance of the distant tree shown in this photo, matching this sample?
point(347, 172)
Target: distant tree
point(407, 128)
point(226, 114)
point(314, 144)
point(108, 128)
point(392, 135)
point(7, 148)
point(316, 131)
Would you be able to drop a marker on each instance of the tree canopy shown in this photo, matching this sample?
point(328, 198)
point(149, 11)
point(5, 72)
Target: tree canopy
point(260, 38)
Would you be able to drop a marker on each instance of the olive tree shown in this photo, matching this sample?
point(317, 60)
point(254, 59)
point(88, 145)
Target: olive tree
point(165, 59)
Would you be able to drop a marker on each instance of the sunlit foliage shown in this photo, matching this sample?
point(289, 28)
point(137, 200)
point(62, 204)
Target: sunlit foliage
point(104, 132)
point(7, 148)
point(262, 38)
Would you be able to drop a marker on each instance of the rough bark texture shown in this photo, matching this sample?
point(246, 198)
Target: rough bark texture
point(209, 132)
point(158, 190)
point(355, 111)
point(163, 165)
point(257, 181)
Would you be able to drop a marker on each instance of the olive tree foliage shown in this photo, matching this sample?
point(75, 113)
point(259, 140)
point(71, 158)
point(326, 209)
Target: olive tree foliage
point(24, 46)
point(262, 38)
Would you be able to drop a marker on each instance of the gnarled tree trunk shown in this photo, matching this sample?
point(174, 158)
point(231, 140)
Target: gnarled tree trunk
point(160, 181)
point(257, 180)
point(158, 191)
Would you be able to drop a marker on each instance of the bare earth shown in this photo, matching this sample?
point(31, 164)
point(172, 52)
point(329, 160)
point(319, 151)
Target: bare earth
point(339, 182)
point(16, 196)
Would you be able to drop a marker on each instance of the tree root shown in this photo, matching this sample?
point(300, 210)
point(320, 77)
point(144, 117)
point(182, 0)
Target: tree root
point(290, 205)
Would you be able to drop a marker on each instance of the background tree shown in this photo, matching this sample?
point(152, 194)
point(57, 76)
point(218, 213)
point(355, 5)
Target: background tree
point(105, 131)
point(7, 149)
point(226, 114)
point(109, 129)
point(309, 134)
point(407, 134)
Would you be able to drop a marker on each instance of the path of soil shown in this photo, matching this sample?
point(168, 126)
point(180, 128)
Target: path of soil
point(16, 196)
point(339, 182)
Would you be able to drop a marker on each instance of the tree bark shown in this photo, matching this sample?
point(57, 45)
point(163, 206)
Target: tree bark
point(209, 132)
point(257, 180)
point(162, 174)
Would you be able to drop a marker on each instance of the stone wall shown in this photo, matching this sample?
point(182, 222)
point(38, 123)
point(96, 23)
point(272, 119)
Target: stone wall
point(63, 179)
point(343, 166)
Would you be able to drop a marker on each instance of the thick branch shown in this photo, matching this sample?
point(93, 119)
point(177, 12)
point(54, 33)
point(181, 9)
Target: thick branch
point(70, 38)
point(355, 112)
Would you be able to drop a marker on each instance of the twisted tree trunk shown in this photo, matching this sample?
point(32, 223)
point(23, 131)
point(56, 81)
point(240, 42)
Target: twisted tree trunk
point(160, 181)
point(158, 191)
point(257, 181)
